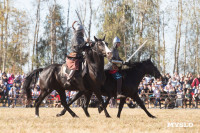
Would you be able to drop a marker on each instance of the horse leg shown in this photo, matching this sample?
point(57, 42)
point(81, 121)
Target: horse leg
point(79, 94)
point(121, 104)
point(100, 108)
point(141, 104)
point(39, 100)
point(97, 93)
point(64, 102)
point(86, 103)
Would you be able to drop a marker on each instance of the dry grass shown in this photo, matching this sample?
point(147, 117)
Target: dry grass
point(131, 121)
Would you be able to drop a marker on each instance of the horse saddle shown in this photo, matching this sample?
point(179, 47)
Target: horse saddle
point(65, 70)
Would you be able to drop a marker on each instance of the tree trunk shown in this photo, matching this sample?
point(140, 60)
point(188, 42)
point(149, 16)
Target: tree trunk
point(6, 37)
point(158, 35)
point(35, 42)
point(90, 20)
point(164, 44)
point(185, 54)
point(52, 35)
point(197, 38)
point(67, 33)
point(179, 37)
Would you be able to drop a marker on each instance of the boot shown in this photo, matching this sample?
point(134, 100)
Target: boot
point(119, 89)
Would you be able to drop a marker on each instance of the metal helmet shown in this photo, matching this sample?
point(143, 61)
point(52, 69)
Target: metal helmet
point(116, 39)
point(79, 27)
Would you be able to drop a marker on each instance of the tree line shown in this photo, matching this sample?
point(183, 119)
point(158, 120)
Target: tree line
point(22, 44)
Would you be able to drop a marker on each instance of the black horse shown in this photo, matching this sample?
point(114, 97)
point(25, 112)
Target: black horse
point(132, 77)
point(51, 78)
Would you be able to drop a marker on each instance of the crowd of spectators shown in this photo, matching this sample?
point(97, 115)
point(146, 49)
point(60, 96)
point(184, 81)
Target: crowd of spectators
point(172, 91)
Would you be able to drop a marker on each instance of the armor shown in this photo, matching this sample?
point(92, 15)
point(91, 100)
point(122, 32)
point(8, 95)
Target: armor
point(115, 56)
point(116, 39)
point(79, 27)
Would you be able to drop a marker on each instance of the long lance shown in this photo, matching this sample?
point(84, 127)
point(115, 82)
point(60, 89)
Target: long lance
point(80, 21)
point(136, 51)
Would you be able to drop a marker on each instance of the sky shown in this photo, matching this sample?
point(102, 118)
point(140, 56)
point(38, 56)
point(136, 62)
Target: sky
point(30, 7)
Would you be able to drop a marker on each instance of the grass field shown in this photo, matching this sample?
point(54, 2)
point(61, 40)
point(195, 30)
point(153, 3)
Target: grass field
point(132, 121)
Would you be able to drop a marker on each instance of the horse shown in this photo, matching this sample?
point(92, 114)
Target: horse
point(132, 77)
point(51, 78)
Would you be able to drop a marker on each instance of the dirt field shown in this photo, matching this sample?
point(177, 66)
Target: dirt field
point(132, 121)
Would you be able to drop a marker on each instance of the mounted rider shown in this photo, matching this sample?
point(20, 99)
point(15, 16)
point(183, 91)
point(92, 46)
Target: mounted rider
point(113, 66)
point(75, 58)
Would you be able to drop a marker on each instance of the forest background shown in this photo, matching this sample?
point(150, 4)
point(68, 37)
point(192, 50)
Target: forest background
point(37, 33)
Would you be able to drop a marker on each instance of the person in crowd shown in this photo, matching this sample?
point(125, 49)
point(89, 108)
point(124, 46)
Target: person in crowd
point(35, 93)
point(11, 80)
point(163, 94)
point(188, 98)
point(4, 79)
point(4, 95)
point(196, 96)
point(179, 98)
point(157, 97)
point(12, 97)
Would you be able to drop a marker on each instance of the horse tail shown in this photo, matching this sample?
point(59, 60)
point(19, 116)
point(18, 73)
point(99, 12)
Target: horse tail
point(30, 78)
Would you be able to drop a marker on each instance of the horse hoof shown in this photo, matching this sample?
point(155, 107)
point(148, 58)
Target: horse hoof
point(153, 117)
point(75, 116)
point(37, 116)
point(108, 116)
point(100, 109)
point(58, 115)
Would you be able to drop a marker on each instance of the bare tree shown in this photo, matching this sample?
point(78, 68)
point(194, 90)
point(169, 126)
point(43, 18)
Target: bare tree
point(6, 34)
point(35, 42)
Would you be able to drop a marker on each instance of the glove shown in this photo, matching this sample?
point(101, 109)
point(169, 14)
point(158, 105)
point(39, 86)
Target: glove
point(125, 63)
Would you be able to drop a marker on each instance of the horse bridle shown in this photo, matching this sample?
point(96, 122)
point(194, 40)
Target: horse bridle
point(96, 50)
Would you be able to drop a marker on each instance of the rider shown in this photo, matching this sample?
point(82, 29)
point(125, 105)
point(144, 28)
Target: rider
point(113, 66)
point(78, 43)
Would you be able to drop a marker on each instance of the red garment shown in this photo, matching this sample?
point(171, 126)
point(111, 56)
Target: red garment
point(195, 82)
point(112, 71)
point(11, 80)
point(58, 96)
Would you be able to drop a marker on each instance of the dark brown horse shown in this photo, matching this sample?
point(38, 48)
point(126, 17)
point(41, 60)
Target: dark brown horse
point(132, 77)
point(51, 78)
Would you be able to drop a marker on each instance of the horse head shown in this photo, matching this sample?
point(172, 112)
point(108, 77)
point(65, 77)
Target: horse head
point(101, 46)
point(152, 69)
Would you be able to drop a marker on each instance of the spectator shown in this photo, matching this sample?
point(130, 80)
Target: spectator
point(12, 97)
point(174, 82)
point(168, 87)
point(179, 98)
point(4, 79)
point(35, 93)
point(157, 97)
point(4, 95)
point(11, 79)
point(57, 101)
point(143, 96)
point(195, 82)
point(188, 97)
point(163, 94)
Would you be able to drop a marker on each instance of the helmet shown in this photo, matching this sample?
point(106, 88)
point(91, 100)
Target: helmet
point(116, 39)
point(79, 27)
